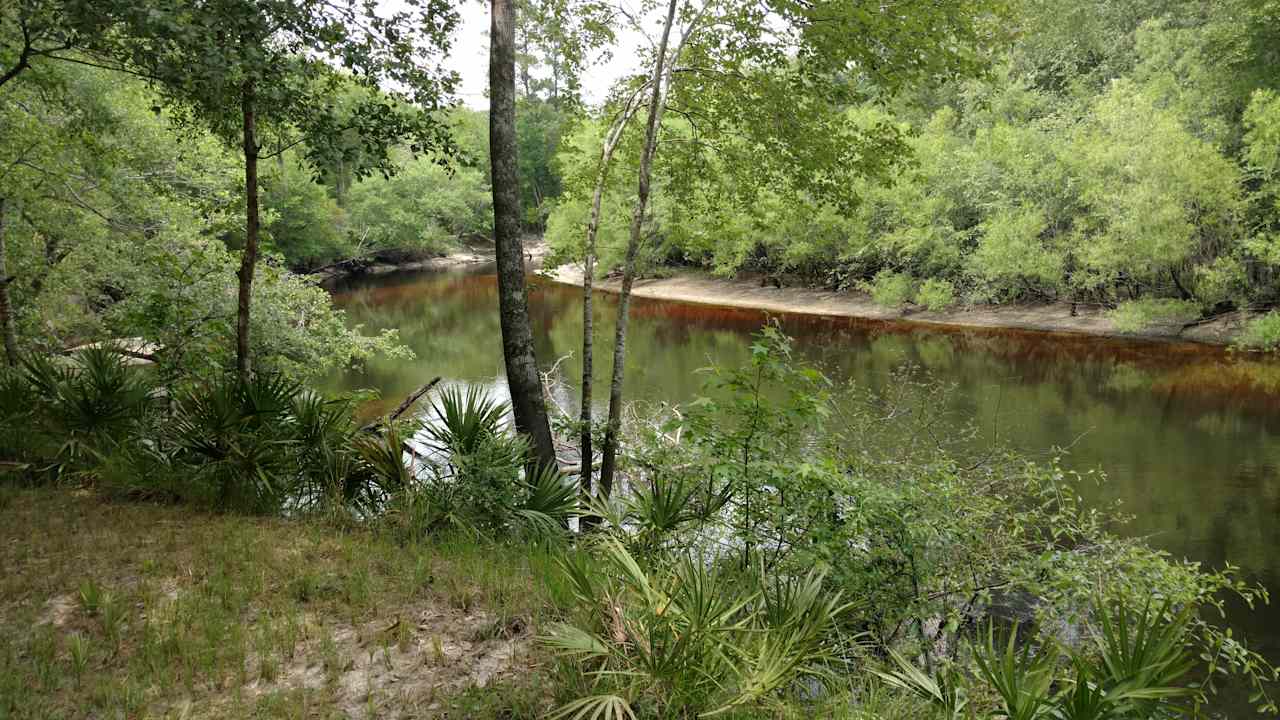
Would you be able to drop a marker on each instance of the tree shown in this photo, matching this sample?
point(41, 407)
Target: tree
point(611, 141)
point(652, 121)
point(246, 69)
point(32, 30)
point(523, 379)
point(763, 87)
point(6, 313)
point(556, 39)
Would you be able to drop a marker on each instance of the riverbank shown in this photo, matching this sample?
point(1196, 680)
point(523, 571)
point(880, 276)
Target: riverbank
point(465, 256)
point(701, 288)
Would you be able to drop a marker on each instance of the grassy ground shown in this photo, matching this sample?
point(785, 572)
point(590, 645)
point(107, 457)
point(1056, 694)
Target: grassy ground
point(124, 610)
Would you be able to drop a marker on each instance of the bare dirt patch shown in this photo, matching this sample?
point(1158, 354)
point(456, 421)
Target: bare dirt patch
point(412, 664)
point(58, 611)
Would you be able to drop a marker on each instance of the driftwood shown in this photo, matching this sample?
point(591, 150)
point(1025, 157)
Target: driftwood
point(119, 346)
point(347, 264)
point(413, 398)
point(138, 355)
point(403, 407)
point(566, 469)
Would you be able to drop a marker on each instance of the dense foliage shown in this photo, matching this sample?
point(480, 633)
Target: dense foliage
point(118, 224)
point(1132, 161)
point(782, 537)
point(116, 227)
point(268, 445)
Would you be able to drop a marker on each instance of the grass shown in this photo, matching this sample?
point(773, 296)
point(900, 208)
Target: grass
point(147, 611)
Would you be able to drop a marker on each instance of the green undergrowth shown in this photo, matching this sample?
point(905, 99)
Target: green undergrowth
point(136, 610)
point(247, 549)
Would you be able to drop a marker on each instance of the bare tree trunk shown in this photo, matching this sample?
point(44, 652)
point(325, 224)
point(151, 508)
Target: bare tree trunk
point(523, 378)
point(525, 81)
point(609, 462)
point(6, 309)
point(588, 276)
point(249, 258)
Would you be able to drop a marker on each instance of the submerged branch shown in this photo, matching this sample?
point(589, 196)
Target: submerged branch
point(402, 408)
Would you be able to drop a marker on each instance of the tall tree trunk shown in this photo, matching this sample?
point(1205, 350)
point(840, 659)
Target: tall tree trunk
point(588, 277)
point(525, 80)
point(609, 462)
point(523, 379)
point(6, 309)
point(249, 258)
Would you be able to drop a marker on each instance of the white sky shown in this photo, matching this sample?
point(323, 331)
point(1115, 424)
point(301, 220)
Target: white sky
point(470, 58)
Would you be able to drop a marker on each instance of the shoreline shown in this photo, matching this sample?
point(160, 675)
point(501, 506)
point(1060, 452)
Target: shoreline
point(463, 257)
point(700, 288)
point(457, 259)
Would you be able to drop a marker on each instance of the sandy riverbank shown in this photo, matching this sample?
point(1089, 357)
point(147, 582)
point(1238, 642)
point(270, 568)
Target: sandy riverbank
point(696, 287)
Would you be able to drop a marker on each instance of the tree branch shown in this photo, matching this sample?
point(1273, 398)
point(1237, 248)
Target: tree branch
point(402, 408)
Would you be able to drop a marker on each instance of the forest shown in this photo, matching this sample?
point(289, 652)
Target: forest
point(195, 524)
point(1120, 155)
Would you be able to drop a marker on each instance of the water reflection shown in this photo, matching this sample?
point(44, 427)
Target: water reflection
point(1189, 436)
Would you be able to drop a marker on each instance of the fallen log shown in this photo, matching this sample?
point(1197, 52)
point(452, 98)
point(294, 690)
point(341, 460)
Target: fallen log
point(135, 348)
point(412, 398)
point(403, 407)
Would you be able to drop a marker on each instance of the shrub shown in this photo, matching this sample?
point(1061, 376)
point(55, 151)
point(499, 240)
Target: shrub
point(936, 294)
point(17, 415)
point(1130, 667)
point(473, 475)
point(890, 289)
point(66, 414)
point(1260, 333)
point(262, 444)
point(1137, 315)
point(684, 636)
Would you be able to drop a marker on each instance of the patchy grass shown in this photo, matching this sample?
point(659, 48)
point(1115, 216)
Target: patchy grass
point(144, 611)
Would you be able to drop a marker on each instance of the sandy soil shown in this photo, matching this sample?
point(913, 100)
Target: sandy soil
point(747, 293)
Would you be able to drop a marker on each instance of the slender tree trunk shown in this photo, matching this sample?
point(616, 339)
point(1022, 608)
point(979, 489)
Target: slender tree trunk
point(609, 462)
point(6, 309)
point(249, 258)
point(523, 378)
point(588, 277)
point(524, 65)
point(1177, 281)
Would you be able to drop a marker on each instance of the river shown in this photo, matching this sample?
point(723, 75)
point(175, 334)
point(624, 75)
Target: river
point(1188, 435)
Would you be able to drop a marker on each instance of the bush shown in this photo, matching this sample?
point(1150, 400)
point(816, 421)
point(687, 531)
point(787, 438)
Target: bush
point(263, 445)
point(268, 445)
point(1137, 315)
point(1130, 667)
point(424, 208)
point(63, 415)
point(1261, 333)
point(683, 637)
point(890, 289)
point(936, 294)
point(472, 475)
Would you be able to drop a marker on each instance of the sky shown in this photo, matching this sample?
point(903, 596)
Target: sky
point(470, 58)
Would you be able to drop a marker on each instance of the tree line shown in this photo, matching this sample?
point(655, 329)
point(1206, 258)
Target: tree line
point(1110, 155)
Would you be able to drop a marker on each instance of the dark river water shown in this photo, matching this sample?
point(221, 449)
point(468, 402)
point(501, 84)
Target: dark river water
point(1188, 436)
